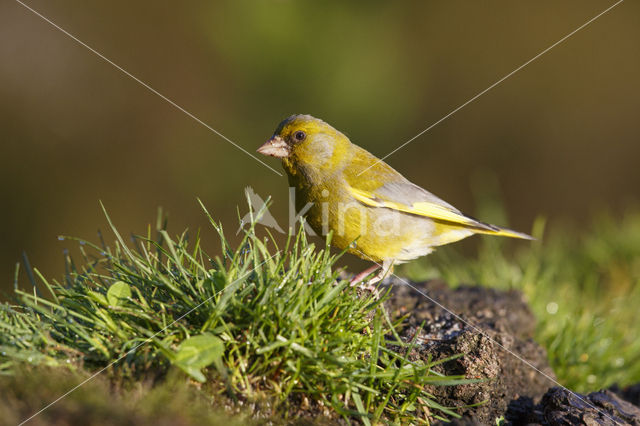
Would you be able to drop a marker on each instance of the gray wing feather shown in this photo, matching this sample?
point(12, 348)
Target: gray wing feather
point(408, 193)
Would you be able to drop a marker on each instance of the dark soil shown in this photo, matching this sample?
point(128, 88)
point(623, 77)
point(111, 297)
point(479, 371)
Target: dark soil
point(630, 393)
point(489, 327)
point(561, 407)
point(494, 332)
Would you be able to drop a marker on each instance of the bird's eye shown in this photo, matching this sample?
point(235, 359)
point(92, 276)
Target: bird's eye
point(299, 135)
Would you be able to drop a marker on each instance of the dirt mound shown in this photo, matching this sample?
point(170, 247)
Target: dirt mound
point(492, 329)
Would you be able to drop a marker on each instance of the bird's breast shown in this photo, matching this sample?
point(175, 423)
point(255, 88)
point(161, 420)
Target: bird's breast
point(372, 233)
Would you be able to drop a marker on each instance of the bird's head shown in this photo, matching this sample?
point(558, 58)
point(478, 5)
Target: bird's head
point(305, 141)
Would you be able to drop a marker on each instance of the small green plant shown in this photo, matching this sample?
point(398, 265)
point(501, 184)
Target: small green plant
point(257, 323)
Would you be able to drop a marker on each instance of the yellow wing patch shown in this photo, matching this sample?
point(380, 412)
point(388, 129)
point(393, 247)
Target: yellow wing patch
point(437, 212)
point(423, 208)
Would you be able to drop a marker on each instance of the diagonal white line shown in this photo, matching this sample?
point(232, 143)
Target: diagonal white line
point(493, 85)
point(517, 356)
point(145, 85)
point(143, 343)
point(485, 334)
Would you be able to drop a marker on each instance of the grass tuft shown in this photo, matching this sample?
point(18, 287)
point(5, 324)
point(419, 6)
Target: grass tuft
point(257, 323)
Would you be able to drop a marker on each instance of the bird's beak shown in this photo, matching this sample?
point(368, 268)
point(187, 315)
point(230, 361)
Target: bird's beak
point(275, 147)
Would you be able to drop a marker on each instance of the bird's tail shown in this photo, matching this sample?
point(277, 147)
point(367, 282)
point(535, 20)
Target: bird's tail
point(502, 232)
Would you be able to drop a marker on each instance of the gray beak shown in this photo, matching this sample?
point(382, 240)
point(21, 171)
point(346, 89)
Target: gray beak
point(275, 147)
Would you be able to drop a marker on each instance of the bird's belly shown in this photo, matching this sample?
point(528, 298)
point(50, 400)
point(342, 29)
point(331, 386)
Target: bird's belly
point(374, 233)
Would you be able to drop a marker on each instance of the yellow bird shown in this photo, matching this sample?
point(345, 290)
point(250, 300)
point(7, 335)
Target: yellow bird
point(373, 211)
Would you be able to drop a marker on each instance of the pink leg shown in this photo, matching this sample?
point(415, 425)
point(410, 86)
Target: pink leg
point(385, 269)
point(362, 275)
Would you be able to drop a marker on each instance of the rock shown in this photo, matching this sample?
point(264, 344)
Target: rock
point(561, 407)
point(487, 326)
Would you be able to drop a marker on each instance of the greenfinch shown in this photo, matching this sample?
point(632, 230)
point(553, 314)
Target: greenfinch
point(372, 210)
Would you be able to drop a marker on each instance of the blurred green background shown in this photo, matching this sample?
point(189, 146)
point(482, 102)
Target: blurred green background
point(560, 136)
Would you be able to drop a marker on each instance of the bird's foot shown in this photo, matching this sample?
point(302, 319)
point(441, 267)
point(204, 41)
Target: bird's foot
point(370, 285)
point(370, 288)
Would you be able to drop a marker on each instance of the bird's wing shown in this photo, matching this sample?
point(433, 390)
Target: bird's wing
point(374, 183)
point(365, 177)
point(409, 198)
